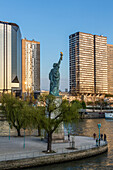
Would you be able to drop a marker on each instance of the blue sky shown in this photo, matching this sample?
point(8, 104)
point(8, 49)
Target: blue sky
point(52, 21)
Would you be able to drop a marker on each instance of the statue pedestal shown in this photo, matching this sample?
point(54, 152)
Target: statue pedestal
point(58, 135)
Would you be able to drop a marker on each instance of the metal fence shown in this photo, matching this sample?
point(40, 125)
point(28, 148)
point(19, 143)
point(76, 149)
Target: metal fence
point(17, 156)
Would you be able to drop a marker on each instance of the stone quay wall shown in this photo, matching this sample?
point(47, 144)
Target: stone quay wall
point(52, 158)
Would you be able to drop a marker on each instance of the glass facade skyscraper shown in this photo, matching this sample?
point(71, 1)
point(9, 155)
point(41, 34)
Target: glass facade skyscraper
point(10, 57)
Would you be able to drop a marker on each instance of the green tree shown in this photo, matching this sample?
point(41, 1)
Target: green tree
point(90, 103)
point(40, 110)
point(83, 104)
point(108, 95)
point(56, 114)
point(101, 103)
point(17, 112)
point(37, 118)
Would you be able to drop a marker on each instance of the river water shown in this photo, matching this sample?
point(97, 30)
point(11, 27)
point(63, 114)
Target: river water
point(87, 127)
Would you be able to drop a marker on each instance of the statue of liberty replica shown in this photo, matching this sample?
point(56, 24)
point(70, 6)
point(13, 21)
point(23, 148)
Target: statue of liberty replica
point(54, 77)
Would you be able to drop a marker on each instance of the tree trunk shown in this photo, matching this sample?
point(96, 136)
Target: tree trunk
point(49, 142)
point(18, 131)
point(39, 131)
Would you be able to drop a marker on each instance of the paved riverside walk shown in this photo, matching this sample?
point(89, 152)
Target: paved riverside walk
point(14, 148)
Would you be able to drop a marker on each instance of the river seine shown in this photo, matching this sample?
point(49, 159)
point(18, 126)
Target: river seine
point(87, 127)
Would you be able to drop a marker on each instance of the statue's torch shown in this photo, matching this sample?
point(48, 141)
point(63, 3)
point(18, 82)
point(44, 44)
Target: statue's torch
point(61, 54)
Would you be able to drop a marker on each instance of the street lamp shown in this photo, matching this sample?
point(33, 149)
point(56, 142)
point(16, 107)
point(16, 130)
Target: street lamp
point(24, 138)
point(99, 125)
point(9, 130)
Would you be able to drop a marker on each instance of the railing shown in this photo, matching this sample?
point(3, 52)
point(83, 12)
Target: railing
point(17, 156)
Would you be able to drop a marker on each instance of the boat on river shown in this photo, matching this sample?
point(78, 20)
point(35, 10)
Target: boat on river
point(109, 115)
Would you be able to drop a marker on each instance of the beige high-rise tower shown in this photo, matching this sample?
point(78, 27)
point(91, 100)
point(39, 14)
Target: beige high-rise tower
point(110, 68)
point(101, 65)
point(30, 66)
point(88, 63)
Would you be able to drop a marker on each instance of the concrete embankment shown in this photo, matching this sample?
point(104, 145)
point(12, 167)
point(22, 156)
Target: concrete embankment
point(53, 158)
point(92, 115)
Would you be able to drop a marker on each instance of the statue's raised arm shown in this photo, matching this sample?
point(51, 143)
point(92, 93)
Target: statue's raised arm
point(61, 56)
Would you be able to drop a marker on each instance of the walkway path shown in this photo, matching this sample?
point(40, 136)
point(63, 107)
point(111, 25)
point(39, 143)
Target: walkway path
point(14, 148)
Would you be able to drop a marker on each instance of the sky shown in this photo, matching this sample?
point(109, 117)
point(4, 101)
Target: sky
point(52, 21)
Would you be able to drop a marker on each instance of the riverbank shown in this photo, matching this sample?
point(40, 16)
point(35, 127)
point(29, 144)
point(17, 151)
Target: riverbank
point(14, 155)
point(93, 115)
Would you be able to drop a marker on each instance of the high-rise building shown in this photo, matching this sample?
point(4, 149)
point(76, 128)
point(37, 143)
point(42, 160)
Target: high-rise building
point(10, 57)
point(110, 68)
point(101, 65)
point(88, 63)
point(72, 64)
point(30, 66)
